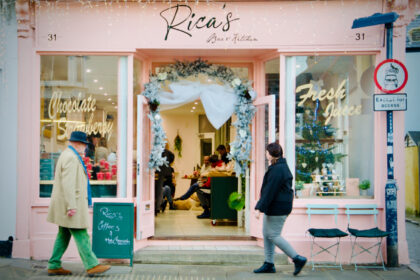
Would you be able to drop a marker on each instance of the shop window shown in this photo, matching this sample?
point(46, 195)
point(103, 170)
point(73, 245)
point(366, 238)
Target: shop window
point(80, 93)
point(272, 83)
point(329, 102)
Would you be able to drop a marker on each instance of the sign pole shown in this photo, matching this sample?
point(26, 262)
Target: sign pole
point(391, 187)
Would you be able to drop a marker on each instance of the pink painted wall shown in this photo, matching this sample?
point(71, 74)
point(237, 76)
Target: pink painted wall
point(120, 26)
point(292, 28)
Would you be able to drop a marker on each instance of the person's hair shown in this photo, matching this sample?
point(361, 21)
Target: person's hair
point(214, 158)
point(221, 147)
point(170, 157)
point(275, 150)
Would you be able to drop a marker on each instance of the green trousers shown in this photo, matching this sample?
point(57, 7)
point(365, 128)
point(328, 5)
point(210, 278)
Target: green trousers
point(81, 237)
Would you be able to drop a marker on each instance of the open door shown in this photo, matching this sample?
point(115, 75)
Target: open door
point(263, 132)
point(145, 193)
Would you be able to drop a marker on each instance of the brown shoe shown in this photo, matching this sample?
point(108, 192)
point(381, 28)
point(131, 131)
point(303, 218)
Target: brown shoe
point(58, 271)
point(100, 268)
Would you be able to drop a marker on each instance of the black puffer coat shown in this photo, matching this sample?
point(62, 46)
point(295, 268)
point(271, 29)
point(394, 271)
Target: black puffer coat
point(276, 191)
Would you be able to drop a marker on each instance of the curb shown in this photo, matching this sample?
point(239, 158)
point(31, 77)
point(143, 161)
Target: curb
point(412, 222)
point(415, 268)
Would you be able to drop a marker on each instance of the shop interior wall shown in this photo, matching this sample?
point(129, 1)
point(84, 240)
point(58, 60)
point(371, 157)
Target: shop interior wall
point(187, 127)
point(412, 115)
point(8, 123)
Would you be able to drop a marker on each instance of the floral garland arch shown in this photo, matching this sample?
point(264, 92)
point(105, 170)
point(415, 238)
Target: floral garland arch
point(244, 109)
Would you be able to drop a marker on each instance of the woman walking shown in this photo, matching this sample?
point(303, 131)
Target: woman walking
point(276, 203)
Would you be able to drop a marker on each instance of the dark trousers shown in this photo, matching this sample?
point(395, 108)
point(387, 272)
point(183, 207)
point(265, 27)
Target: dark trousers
point(193, 188)
point(204, 199)
point(158, 194)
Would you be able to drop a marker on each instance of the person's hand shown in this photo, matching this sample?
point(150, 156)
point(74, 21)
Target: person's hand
point(257, 214)
point(71, 212)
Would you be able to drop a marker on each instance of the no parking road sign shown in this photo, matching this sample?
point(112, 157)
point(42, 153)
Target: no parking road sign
point(390, 76)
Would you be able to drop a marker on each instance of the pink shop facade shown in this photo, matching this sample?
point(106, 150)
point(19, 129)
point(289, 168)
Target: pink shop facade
point(84, 66)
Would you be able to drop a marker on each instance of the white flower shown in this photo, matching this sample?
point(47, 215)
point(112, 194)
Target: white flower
point(162, 76)
point(157, 117)
point(236, 82)
point(242, 133)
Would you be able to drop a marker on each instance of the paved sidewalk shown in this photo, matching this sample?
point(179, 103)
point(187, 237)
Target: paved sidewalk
point(28, 270)
point(413, 233)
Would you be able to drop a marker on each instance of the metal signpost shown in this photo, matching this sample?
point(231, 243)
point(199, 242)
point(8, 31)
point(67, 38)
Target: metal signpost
point(391, 188)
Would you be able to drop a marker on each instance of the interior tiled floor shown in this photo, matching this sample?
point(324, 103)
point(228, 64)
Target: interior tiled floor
point(185, 223)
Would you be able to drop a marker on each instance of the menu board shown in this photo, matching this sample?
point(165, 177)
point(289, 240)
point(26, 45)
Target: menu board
point(113, 230)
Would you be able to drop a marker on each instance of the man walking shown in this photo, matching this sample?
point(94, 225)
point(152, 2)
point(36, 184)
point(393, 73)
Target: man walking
point(70, 199)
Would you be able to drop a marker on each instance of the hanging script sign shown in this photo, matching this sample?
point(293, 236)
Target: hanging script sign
point(181, 19)
point(58, 106)
point(333, 109)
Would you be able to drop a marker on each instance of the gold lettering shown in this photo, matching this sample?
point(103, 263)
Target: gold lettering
point(330, 94)
point(321, 95)
point(341, 91)
point(52, 107)
point(306, 95)
point(74, 106)
point(332, 112)
point(328, 112)
point(93, 106)
point(62, 135)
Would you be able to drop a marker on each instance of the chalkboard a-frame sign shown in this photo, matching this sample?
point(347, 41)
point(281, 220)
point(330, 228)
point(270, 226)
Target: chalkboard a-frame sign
point(113, 230)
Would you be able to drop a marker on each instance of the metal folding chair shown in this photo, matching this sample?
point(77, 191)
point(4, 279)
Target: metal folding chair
point(356, 234)
point(318, 233)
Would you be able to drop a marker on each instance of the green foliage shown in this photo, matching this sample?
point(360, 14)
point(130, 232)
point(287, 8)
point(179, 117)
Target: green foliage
point(299, 185)
point(317, 146)
point(236, 201)
point(178, 145)
point(364, 185)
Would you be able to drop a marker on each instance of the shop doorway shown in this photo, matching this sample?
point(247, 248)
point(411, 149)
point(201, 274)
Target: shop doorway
point(189, 125)
point(168, 224)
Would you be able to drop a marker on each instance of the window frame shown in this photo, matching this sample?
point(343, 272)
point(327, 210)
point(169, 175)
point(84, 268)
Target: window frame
point(124, 178)
point(379, 126)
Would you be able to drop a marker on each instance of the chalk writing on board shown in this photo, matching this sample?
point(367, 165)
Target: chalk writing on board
point(116, 241)
point(111, 215)
point(106, 226)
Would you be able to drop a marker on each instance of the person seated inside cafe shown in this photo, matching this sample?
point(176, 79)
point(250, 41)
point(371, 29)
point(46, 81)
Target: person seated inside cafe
point(205, 168)
point(203, 192)
point(221, 149)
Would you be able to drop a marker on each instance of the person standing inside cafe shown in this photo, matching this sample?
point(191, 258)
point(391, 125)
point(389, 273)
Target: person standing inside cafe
point(276, 202)
point(68, 209)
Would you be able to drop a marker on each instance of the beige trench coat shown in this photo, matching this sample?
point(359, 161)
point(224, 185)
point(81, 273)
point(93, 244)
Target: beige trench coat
point(69, 192)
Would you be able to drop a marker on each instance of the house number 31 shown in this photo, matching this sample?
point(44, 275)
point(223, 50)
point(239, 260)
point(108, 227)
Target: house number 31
point(360, 36)
point(52, 37)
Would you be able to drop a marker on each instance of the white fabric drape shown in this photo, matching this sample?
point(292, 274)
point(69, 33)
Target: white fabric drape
point(218, 100)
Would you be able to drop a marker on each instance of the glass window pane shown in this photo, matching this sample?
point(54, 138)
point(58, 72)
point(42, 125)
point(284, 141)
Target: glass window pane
point(272, 83)
point(80, 93)
point(334, 141)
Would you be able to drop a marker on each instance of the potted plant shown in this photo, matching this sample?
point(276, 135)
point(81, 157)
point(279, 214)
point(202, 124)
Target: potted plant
point(364, 186)
point(298, 188)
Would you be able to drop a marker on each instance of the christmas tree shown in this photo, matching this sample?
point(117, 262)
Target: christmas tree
point(317, 146)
